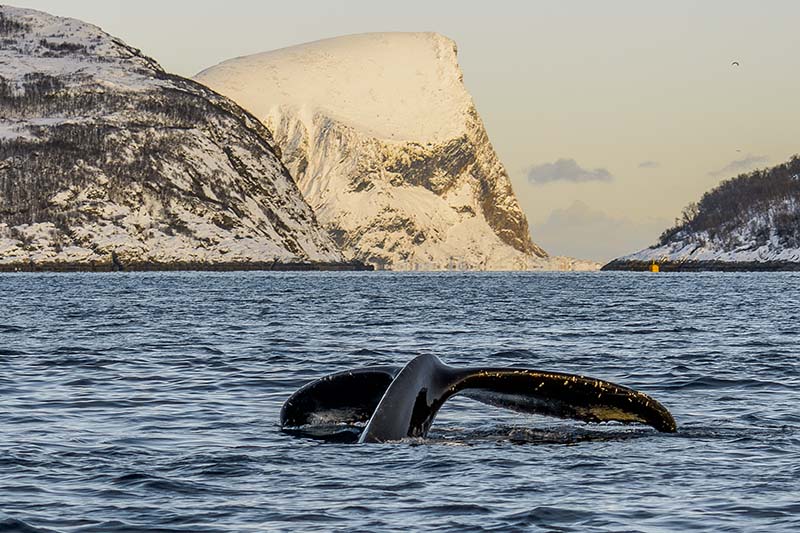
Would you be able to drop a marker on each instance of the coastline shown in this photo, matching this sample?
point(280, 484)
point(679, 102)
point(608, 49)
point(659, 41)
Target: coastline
point(703, 266)
point(146, 266)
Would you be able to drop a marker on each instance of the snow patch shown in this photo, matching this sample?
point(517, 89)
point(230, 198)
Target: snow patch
point(391, 86)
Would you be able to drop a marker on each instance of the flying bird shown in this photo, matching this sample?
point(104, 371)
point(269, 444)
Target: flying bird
point(735, 64)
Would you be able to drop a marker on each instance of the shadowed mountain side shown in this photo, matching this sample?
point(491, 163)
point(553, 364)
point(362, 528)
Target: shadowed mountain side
point(107, 161)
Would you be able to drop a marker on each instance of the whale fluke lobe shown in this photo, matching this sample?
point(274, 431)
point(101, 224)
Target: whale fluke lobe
point(388, 403)
point(566, 396)
point(337, 405)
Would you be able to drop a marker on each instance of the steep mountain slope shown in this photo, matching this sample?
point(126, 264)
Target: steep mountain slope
point(751, 222)
point(388, 148)
point(107, 160)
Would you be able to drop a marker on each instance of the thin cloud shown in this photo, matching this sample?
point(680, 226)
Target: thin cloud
point(566, 170)
point(649, 164)
point(749, 162)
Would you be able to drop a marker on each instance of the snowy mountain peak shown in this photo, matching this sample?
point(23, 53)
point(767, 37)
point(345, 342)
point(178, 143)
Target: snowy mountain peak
point(391, 86)
point(46, 44)
point(388, 148)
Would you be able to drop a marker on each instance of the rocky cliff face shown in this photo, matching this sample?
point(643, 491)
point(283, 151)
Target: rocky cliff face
point(751, 222)
point(389, 150)
point(105, 159)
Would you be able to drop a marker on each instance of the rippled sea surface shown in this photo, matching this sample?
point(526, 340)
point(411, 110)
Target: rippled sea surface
point(150, 402)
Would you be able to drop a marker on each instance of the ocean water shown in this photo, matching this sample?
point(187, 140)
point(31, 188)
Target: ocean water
point(150, 402)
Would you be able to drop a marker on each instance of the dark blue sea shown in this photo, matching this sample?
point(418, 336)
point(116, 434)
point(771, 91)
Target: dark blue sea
point(150, 402)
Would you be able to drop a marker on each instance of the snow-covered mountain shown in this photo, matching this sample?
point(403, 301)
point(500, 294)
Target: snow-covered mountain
point(389, 150)
point(107, 160)
point(751, 222)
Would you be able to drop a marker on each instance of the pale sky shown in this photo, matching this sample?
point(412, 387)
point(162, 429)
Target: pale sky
point(609, 116)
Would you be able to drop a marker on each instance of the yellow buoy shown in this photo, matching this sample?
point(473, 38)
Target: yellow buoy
point(654, 267)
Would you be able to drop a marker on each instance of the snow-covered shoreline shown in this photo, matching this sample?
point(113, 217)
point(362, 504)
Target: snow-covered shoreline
point(750, 222)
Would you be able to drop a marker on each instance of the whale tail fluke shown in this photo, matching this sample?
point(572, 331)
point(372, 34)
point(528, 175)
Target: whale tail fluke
point(379, 404)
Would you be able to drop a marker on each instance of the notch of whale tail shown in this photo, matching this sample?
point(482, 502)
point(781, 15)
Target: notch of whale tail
point(379, 404)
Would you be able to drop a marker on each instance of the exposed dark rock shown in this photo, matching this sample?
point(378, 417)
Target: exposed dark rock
point(705, 266)
point(111, 266)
